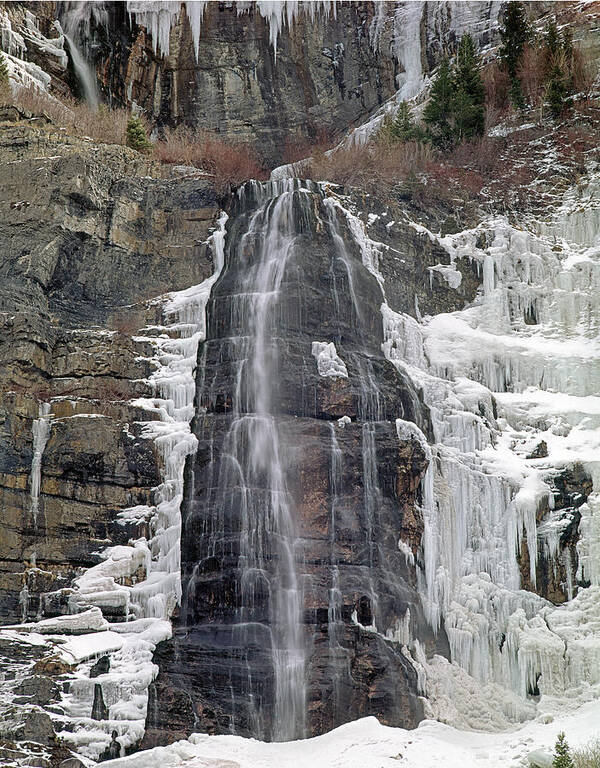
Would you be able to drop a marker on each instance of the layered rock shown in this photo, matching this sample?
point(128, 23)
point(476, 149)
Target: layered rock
point(90, 233)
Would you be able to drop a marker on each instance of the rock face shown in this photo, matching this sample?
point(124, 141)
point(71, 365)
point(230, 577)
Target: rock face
point(91, 235)
point(324, 76)
point(292, 573)
point(85, 242)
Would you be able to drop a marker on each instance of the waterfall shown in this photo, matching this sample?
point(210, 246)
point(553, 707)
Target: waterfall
point(41, 432)
point(263, 594)
point(75, 19)
point(250, 484)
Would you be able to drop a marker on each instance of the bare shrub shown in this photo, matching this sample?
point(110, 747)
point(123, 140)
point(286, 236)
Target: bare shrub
point(231, 163)
point(533, 75)
point(481, 154)
point(380, 165)
point(587, 756)
point(104, 124)
point(497, 85)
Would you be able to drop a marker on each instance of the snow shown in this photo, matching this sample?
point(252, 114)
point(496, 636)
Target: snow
point(329, 363)
point(81, 647)
point(366, 743)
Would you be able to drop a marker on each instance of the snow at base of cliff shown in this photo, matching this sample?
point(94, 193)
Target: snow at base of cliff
point(368, 744)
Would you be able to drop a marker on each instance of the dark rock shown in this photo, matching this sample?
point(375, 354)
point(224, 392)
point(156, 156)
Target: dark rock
point(38, 762)
point(99, 708)
point(101, 667)
point(540, 451)
point(113, 750)
point(38, 690)
point(37, 727)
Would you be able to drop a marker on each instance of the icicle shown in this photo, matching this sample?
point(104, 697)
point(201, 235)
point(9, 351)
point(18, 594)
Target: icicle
point(41, 432)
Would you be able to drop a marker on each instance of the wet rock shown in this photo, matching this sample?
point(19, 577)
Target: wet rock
point(352, 491)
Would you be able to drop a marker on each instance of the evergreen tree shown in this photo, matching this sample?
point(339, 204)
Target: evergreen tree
point(468, 103)
point(562, 753)
point(556, 90)
point(552, 47)
point(557, 62)
point(515, 34)
point(438, 112)
point(402, 126)
point(4, 81)
point(137, 137)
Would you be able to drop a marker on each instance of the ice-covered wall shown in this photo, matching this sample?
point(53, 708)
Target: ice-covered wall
point(518, 368)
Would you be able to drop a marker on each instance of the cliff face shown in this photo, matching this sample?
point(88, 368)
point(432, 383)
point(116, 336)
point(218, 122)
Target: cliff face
point(94, 235)
point(324, 76)
point(282, 456)
point(291, 518)
point(86, 240)
point(275, 76)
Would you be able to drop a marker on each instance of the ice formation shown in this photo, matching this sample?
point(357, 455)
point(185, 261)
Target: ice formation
point(158, 16)
point(41, 432)
point(519, 366)
point(16, 46)
point(329, 363)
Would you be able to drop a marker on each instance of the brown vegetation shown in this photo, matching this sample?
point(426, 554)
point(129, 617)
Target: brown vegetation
point(376, 166)
point(533, 75)
point(76, 117)
point(230, 163)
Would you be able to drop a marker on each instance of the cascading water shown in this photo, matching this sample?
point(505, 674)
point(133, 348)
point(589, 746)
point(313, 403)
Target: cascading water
point(252, 477)
point(270, 610)
point(76, 19)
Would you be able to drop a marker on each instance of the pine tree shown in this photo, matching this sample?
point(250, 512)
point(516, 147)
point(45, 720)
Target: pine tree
point(137, 137)
point(468, 103)
point(562, 753)
point(4, 81)
point(552, 47)
point(557, 61)
point(556, 90)
point(438, 112)
point(515, 33)
point(402, 126)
